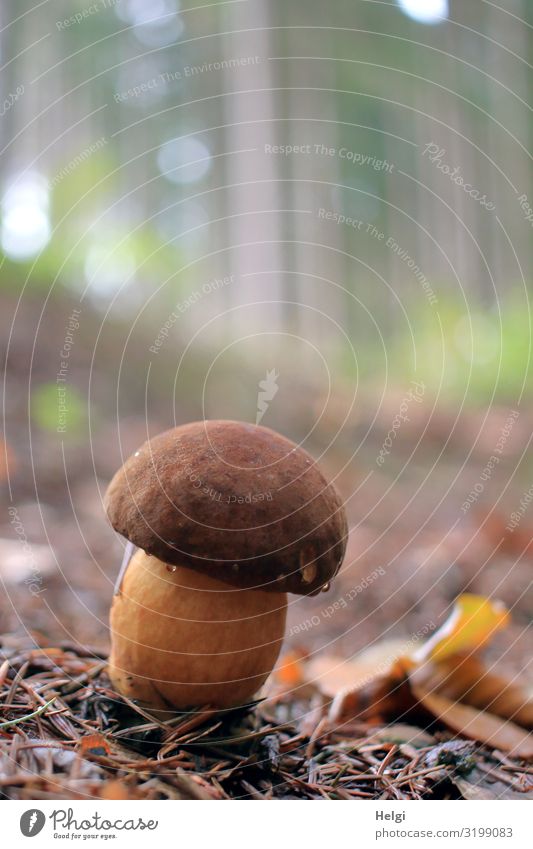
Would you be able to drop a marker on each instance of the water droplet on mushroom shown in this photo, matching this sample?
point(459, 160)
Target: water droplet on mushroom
point(325, 588)
point(171, 568)
point(235, 567)
point(137, 454)
point(308, 573)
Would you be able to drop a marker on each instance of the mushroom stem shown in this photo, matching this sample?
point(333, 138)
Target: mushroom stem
point(182, 639)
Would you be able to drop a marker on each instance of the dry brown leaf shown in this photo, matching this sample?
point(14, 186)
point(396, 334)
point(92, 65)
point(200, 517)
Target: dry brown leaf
point(333, 673)
point(478, 786)
point(383, 697)
point(476, 725)
point(444, 677)
point(467, 679)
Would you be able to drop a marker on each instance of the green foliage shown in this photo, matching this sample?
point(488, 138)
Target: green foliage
point(465, 351)
point(59, 408)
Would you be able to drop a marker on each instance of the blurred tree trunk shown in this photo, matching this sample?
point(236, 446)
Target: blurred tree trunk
point(254, 224)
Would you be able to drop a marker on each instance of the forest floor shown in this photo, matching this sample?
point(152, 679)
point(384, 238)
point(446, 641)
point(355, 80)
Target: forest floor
point(414, 548)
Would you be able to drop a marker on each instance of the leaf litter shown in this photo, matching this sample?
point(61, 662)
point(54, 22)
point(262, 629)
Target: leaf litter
point(431, 724)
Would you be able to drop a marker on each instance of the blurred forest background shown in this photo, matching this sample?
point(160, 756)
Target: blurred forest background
point(195, 196)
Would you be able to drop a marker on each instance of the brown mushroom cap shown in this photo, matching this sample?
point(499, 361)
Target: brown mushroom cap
point(233, 500)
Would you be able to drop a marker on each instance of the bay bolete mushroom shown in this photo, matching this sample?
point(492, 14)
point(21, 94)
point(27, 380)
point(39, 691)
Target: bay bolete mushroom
point(227, 518)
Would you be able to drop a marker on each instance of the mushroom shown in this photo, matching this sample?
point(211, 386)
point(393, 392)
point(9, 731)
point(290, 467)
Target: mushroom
point(226, 518)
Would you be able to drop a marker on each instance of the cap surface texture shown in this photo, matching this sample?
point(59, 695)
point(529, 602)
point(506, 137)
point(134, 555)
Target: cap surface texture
point(233, 500)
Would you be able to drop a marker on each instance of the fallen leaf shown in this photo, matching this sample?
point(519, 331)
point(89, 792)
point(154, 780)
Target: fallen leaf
point(467, 679)
point(443, 678)
point(333, 673)
point(478, 786)
point(476, 725)
point(472, 623)
point(384, 697)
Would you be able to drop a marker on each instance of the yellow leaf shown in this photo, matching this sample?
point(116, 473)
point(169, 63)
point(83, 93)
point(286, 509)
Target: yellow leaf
point(472, 623)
